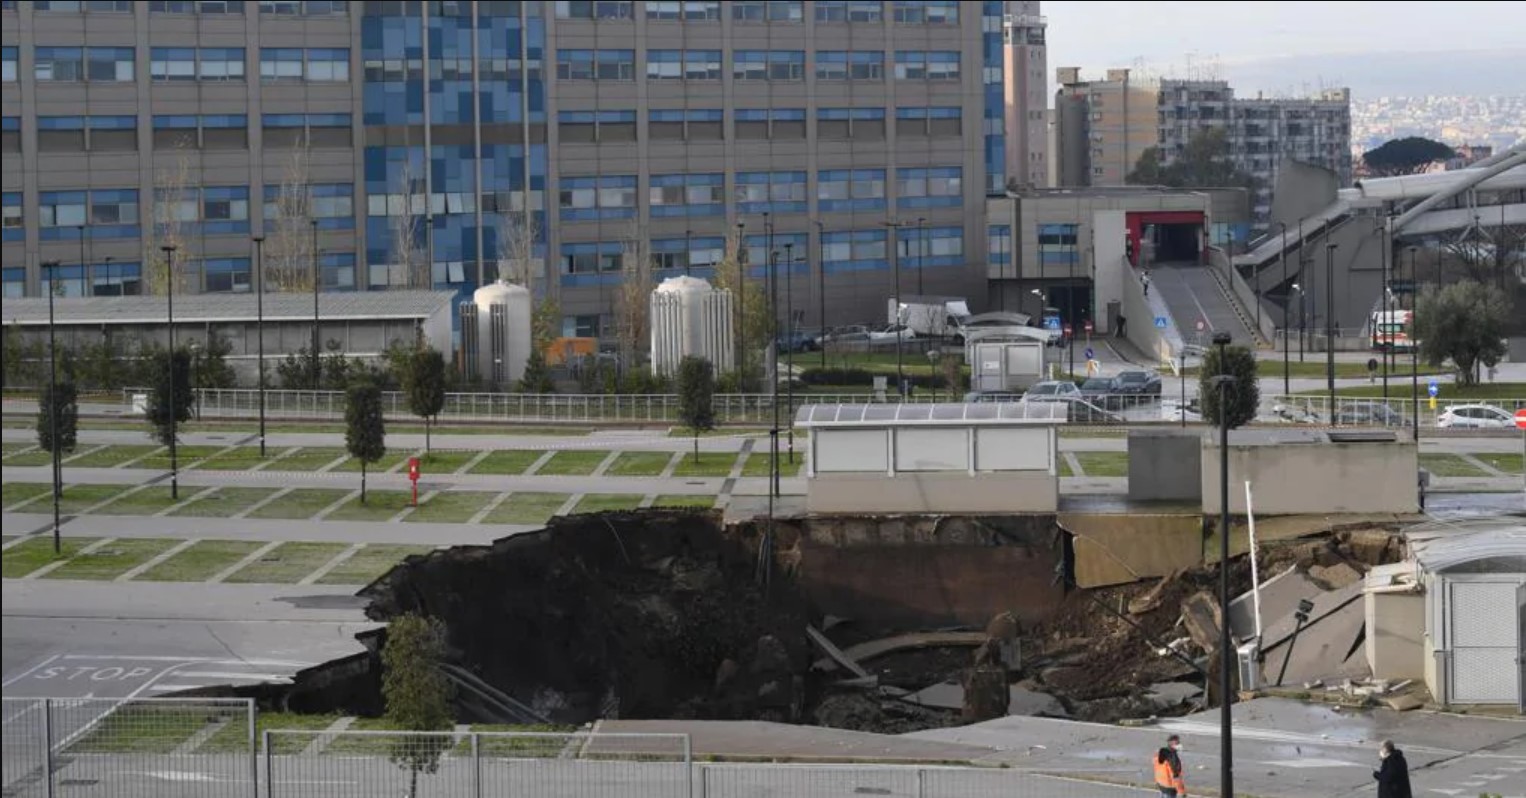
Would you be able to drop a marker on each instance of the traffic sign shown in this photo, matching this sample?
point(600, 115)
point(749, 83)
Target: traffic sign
point(1052, 323)
point(1090, 355)
point(1160, 321)
point(1087, 325)
point(1201, 325)
point(1520, 418)
point(1433, 388)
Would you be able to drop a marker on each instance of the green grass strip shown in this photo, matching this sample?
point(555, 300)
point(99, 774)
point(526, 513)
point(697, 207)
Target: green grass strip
point(12, 493)
point(639, 464)
point(451, 507)
point(1104, 464)
point(526, 508)
point(307, 458)
point(112, 456)
point(112, 559)
point(387, 461)
point(29, 555)
point(223, 503)
point(200, 561)
point(1450, 465)
point(573, 463)
point(380, 505)
point(369, 563)
point(300, 504)
point(757, 464)
point(684, 500)
point(287, 563)
point(185, 456)
point(506, 461)
point(147, 501)
point(602, 502)
point(710, 464)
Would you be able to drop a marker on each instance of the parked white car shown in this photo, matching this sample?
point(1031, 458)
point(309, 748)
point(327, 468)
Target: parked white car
point(891, 332)
point(1052, 391)
point(1475, 416)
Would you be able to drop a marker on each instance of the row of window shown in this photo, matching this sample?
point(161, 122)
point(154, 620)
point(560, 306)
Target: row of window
point(774, 65)
point(114, 213)
point(280, 8)
point(117, 64)
point(706, 124)
point(592, 263)
point(614, 196)
point(170, 132)
point(908, 12)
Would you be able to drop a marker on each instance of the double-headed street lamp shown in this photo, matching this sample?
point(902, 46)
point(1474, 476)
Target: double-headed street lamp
point(259, 326)
point(897, 327)
point(170, 398)
point(1330, 328)
point(51, 267)
point(1224, 384)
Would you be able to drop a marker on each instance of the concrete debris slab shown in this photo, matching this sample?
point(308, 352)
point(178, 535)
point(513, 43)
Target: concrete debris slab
point(1173, 693)
point(1277, 632)
point(831, 650)
point(1321, 650)
point(1403, 703)
point(1032, 702)
point(1200, 614)
point(946, 695)
point(1335, 577)
point(863, 652)
point(1279, 597)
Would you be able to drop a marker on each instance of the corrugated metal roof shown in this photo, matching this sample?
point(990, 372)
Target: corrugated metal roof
point(191, 308)
point(1441, 545)
point(953, 414)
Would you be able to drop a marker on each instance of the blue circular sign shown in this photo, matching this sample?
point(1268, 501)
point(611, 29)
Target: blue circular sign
point(1090, 355)
point(1433, 389)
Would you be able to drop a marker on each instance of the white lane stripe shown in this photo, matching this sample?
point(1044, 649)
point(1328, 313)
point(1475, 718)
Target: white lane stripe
point(174, 688)
point(28, 672)
point(264, 663)
point(265, 677)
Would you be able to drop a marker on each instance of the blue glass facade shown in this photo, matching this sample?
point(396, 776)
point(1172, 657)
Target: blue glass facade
point(991, 44)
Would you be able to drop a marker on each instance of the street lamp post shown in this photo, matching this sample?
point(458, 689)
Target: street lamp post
point(773, 367)
point(1386, 327)
point(1330, 329)
point(1414, 345)
point(790, 342)
point(317, 280)
point(1282, 255)
point(169, 294)
point(58, 466)
point(195, 379)
point(821, 289)
point(1224, 383)
point(741, 315)
point(895, 268)
point(921, 249)
point(259, 326)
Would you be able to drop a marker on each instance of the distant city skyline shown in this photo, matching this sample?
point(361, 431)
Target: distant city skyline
point(1292, 48)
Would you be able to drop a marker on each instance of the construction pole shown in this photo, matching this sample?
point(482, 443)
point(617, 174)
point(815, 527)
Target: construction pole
point(52, 408)
point(1330, 329)
point(259, 325)
point(169, 268)
point(791, 342)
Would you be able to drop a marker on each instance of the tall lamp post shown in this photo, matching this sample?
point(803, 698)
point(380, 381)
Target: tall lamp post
point(1330, 323)
point(1414, 345)
point(790, 343)
point(773, 367)
point(741, 315)
point(58, 488)
point(1387, 324)
point(1282, 255)
point(317, 281)
point(1224, 383)
point(895, 267)
point(259, 326)
point(169, 295)
point(921, 250)
point(821, 288)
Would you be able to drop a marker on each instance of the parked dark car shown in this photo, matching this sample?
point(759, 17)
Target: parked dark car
point(1369, 414)
point(797, 342)
point(1136, 387)
point(1102, 392)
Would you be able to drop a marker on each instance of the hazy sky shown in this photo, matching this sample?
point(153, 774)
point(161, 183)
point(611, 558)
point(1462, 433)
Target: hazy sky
point(1242, 35)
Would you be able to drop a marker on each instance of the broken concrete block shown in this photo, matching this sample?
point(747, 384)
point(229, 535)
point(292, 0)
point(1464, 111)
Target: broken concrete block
point(1200, 614)
point(1402, 703)
point(1034, 703)
point(945, 695)
point(985, 694)
point(1337, 576)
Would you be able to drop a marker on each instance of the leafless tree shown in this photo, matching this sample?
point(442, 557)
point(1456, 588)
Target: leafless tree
point(289, 255)
point(175, 203)
point(633, 302)
point(750, 317)
point(517, 232)
point(406, 207)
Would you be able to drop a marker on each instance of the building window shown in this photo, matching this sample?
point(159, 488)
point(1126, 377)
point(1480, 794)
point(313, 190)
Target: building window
point(927, 12)
point(925, 247)
point(603, 197)
point(783, 65)
point(61, 133)
point(225, 209)
point(849, 11)
point(596, 64)
point(593, 9)
point(13, 280)
point(768, 11)
point(845, 65)
point(772, 192)
point(930, 65)
point(755, 250)
point(60, 212)
point(10, 134)
point(586, 326)
point(59, 64)
point(108, 213)
point(172, 63)
point(196, 6)
point(109, 64)
point(591, 126)
point(8, 64)
point(850, 190)
point(116, 279)
point(220, 63)
point(857, 123)
point(691, 252)
point(853, 250)
point(690, 11)
point(338, 269)
point(305, 8)
point(12, 219)
point(175, 132)
point(1057, 243)
point(683, 64)
point(770, 123)
point(320, 64)
point(328, 64)
point(999, 245)
point(696, 124)
point(936, 187)
point(225, 131)
point(317, 130)
point(70, 280)
point(331, 205)
point(282, 63)
point(687, 195)
point(112, 133)
point(590, 263)
point(226, 275)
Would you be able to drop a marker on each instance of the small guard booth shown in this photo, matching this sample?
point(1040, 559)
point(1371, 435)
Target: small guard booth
point(932, 458)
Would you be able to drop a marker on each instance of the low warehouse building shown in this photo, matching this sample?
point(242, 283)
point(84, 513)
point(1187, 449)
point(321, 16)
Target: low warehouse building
point(932, 458)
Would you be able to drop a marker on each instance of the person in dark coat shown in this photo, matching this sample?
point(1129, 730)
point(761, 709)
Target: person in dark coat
point(1393, 774)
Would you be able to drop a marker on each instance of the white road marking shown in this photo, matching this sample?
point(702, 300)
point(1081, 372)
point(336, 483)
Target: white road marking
point(28, 672)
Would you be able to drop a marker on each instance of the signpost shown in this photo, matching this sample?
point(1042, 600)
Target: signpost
point(1520, 423)
point(1160, 322)
point(1433, 388)
point(413, 477)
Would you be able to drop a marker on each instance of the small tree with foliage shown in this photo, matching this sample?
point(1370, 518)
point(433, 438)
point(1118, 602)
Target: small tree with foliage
point(424, 384)
point(1244, 395)
point(416, 693)
point(696, 396)
point(365, 433)
point(1405, 156)
point(63, 405)
point(169, 404)
point(537, 376)
point(1465, 322)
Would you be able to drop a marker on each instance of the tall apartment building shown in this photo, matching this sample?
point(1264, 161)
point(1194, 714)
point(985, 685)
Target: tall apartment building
point(804, 127)
point(1026, 95)
point(1103, 126)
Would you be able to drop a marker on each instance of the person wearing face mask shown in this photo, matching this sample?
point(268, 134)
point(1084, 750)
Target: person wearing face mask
point(1168, 769)
point(1393, 774)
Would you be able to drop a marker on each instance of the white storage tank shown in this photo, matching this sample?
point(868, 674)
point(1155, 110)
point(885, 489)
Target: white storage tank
point(690, 317)
point(502, 343)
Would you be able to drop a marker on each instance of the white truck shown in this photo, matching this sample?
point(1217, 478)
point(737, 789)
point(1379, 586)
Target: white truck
point(929, 316)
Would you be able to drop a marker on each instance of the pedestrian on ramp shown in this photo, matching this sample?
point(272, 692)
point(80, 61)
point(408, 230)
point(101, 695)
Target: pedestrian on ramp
point(1168, 769)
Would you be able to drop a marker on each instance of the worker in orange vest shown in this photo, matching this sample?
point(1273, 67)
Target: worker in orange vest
point(1168, 769)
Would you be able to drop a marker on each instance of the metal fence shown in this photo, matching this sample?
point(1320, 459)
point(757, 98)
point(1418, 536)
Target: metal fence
point(154, 748)
point(1396, 412)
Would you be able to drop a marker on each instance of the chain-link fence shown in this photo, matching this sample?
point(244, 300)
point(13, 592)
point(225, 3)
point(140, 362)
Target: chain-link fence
point(723, 780)
point(153, 748)
point(356, 764)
